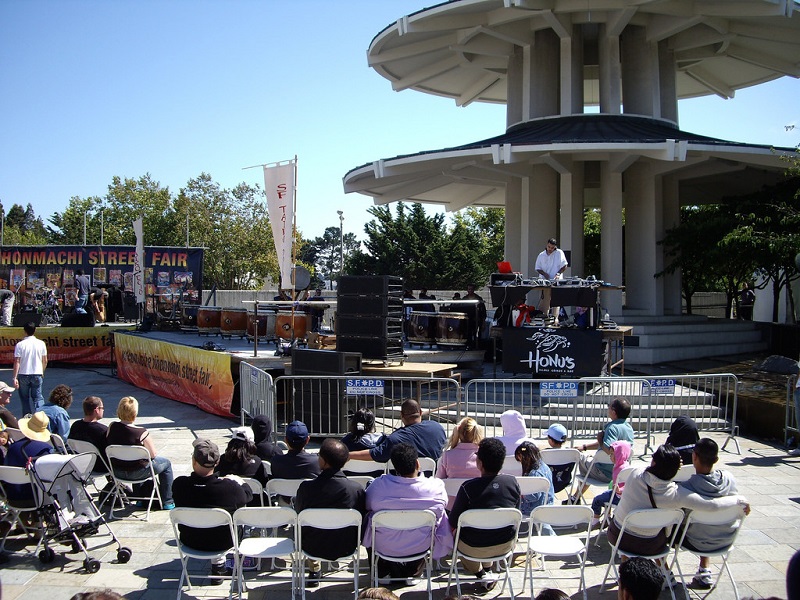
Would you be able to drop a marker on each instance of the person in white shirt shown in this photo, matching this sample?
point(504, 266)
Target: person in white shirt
point(550, 264)
point(30, 361)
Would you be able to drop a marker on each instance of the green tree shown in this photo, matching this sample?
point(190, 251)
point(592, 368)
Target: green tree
point(22, 226)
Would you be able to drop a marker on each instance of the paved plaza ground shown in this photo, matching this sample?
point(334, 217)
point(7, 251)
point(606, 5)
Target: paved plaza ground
point(765, 474)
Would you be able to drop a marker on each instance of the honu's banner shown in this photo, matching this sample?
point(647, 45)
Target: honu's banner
point(77, 345)
point(546, 352)
point(182, 373)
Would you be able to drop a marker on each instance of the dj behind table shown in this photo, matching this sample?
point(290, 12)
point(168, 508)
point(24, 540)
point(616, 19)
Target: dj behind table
point(545, 348)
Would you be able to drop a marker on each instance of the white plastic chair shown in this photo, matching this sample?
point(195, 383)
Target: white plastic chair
point(202, 518)
point(555, 457)
point(511, 466)
point(59, 444)
point(15, 435)
point(684, 473)
point(403, 520)
point(83, 447)
point(528, 486)
point(269, 518)
point(363, 467)
point(426, 465)
point(16, 476)
point(559, 546)
point(580, 480)
point(257, 489)
point(362, 480)
point(729, 518)
point(648, 522)
point(486, 518)
point(286, 488)
point(622, 477)
point(131, 453)
point(329, 518)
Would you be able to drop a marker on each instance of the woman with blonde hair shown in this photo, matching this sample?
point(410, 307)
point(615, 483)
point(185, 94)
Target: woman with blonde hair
point(125, 433)
point(458, 460)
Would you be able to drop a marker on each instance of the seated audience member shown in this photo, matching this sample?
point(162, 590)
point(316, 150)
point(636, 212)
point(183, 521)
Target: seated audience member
point(106, 594)
point(3, 443)
point(708, 482)
point(378, 593)
point(331, 489)
point(515, 431)
point(407, 490)
point(530, 457)
point(490, 490)
point(653, 488)
point(427, 436)
point(562, 474)
point(296, 463)
point(617, 429)
point(683, 436)
point(362, 434)
point(262, 436)
point(240, 457)
point(204, 488)
point(56, 409)
point(35, 444)
point(125, 433)
point(622, 454)
point(640, 579)
point(793, 576)
point(5, 398)
point(552, 594)
point(459, 459)
point(90, 429)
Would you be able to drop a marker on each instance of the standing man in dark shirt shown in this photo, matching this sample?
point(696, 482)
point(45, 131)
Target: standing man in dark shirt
point(428, 437)
point(205, 489)
point(331, 489)
point(296, 463)
point(82, 285)
point(490, 490)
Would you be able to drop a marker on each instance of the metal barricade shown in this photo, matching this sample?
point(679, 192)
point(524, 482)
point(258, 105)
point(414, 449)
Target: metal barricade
point(257, 393)
point(324, 402)
point(791, 429)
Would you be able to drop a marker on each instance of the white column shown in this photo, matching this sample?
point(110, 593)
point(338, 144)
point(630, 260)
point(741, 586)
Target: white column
point(640, 82)
point(667, 69)
point(672, 216)
point(545, 74)
point(514, 83)
point(610, 72)
point(611, 249)
point(513, 226)
point(641, 235)
point(543, 218)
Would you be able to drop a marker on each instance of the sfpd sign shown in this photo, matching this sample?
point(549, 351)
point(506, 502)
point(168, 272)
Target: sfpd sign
point(545, 352)
point(364, 387)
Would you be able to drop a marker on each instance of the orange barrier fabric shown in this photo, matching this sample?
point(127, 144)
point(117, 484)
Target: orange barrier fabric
point(77, 345)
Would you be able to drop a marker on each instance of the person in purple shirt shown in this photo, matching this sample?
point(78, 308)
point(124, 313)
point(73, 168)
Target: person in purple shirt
point(406, 491)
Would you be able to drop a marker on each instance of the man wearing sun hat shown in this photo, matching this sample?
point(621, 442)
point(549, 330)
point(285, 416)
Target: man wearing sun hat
point(5, 398)
point(296, 463)
point(206, 489)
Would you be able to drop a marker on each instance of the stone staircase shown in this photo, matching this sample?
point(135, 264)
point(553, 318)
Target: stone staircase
point(672, 338)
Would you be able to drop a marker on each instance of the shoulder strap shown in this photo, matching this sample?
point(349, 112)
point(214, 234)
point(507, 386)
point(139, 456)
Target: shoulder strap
point(650, 493)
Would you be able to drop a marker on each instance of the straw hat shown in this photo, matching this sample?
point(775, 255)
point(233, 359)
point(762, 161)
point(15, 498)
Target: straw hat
point(35, 427)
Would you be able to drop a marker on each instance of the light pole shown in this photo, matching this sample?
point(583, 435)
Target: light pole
point(341, 241)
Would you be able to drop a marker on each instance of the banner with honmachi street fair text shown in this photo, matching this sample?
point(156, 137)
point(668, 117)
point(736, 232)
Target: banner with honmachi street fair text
point(76, 345)
point(279, 187)
point(190, 375)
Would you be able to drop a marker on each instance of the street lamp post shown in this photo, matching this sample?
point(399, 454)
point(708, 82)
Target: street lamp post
point(341, 241)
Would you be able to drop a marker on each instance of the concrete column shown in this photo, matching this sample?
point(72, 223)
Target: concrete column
point(640, 85)
point(513, 226)
point(672, 217)
point(578, 266)
point(641, 235)
point(543, 218)
point(610, 72)
point(611, 249)
point(572, 73)
point(515, 86)
point(544, 74)
point(667, 69)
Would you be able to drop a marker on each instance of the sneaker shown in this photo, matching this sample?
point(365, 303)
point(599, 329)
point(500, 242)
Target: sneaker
point(595, 524)
point(168, 506)
point(412, 581)
point(489, 581)
point(218, 571)
point(795, 452)
point(702, 579)
point(312, 579)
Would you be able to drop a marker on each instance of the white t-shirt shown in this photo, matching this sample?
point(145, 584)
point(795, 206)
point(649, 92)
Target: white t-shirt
point(30, 351)
point(551, 263)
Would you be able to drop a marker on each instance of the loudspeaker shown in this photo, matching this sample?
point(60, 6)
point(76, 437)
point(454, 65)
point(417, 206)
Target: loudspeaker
point(325, 362)
point(368, 285)
point(20, 319)
point(78, 320)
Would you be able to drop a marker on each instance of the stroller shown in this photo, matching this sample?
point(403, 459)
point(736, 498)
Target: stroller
point(67, 512)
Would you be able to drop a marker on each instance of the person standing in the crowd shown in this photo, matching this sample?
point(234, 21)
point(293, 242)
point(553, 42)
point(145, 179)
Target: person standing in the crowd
point(550, 264)
point(30, 362)
point(82, 285)
point(747, 299)
point(6, 307)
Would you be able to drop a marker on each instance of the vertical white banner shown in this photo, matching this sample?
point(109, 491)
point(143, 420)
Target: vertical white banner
point(279, 187)
point(138, 264)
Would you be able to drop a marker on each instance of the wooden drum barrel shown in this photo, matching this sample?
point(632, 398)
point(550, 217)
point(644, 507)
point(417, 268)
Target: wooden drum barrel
point(208, 319)
point(266, 325)
point(233, 322)
point(422, 327)
point(189, 315)
point(283, 325)
point(452, 329)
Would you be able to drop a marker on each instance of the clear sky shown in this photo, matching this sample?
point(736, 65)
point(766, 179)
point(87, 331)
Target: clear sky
point(90, 89)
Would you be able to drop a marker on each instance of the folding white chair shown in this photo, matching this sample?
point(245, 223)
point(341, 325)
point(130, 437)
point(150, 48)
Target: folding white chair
point(284, 488)
point(330, 519)
point(648, 522)
point(257, 489)
point(202, 518)
point(132, 453)
point(363, 467)
point(402, 520)
point(267, 467)
point(582, 480)
point(528, 486)
point(486, 518)
point(269, 518)
point(14, 435)
point(684, 473)
point(362, 480)
point(16, 476)
point(511, 466)
point(83, 447)
point(557, 457)
point(452, 485)
point(622, 477)
point(731, 519)
point(426, 465)
point(59, 444)
point(574, 544)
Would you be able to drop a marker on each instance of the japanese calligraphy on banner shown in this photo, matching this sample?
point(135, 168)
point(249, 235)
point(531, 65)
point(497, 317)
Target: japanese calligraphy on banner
point(76, 345)
point(279, 186)
point(185, 374)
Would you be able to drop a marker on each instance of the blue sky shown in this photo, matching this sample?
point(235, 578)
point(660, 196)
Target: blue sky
point(90, 89)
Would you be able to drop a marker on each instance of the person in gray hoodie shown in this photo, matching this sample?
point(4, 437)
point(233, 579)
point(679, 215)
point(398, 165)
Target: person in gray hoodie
point(709, 483)
point(262, 436)
point(515, 431)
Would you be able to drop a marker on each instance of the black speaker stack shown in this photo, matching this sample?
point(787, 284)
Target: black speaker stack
point(370, 316)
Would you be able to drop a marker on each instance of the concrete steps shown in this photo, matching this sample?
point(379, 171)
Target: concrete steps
point(666, 339)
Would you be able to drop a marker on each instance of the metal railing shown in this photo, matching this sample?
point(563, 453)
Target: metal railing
point(792, 406)
point(257, 393)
